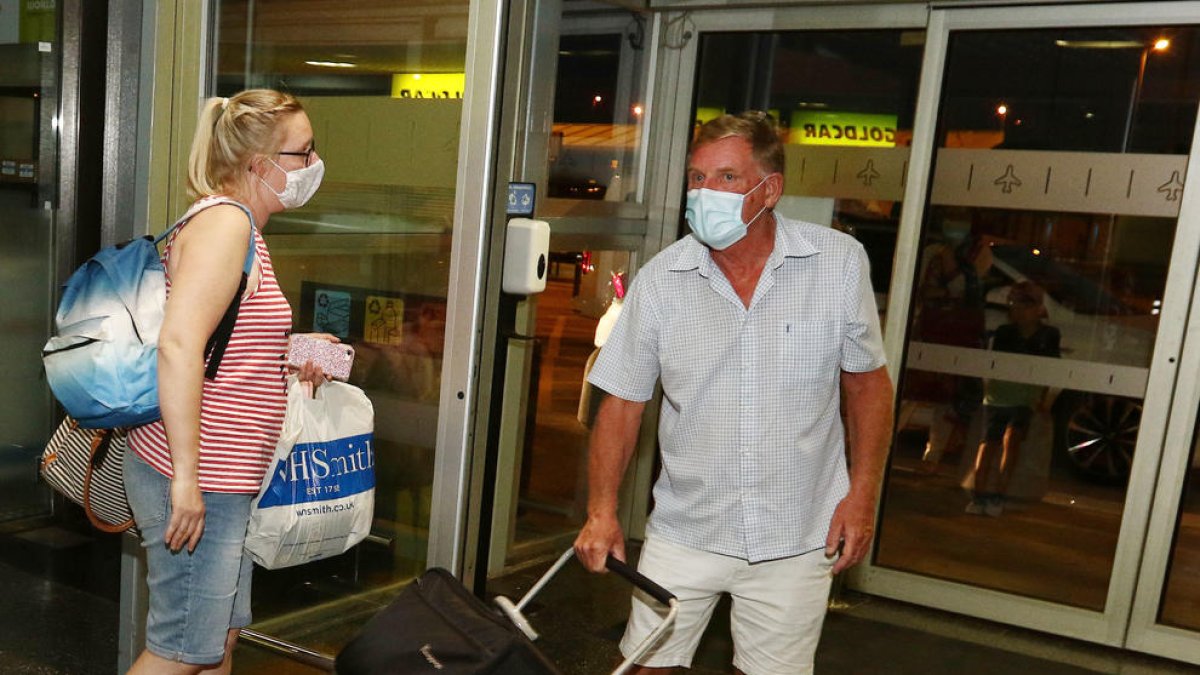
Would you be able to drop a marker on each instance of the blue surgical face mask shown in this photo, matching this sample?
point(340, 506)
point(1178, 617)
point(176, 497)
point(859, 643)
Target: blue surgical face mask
point(716, 217)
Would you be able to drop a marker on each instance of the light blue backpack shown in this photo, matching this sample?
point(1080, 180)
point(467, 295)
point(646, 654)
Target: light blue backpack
point(102, 363)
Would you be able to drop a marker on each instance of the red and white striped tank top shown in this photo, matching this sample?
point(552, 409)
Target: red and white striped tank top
point(242, 409)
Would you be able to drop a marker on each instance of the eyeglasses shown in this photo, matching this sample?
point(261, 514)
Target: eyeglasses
point(306, 154)
point(1023, 302)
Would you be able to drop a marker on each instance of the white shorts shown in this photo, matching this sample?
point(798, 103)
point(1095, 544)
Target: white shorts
point(778, 607)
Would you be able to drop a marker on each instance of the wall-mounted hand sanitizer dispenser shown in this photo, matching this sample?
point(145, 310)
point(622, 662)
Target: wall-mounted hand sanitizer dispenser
point(526, 256)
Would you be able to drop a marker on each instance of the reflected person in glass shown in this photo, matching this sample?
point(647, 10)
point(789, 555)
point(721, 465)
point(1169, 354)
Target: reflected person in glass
point(755, 325)
point(950, 311)
point(192, 475)
point(1008, 407)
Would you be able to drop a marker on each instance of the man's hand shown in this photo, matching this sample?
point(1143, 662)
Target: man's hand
point(600, 536)
point(614, 438)
point(868, 399)
point(851, 529)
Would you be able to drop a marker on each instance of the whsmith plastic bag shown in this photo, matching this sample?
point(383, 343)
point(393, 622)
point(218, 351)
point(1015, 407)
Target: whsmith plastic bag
point(318, 499)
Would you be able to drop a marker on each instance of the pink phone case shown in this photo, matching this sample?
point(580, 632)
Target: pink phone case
point(335, 358)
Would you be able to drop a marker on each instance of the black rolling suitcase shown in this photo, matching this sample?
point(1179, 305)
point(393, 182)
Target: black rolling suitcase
point(437, 626)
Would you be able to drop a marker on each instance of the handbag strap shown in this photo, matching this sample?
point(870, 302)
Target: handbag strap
point(214, 349)
point(101, 441)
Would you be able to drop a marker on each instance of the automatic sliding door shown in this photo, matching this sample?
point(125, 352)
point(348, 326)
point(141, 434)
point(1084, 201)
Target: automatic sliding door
point(29, 139)
point(846, 136)
point(592, 86)
point(368, 259)
point(1043, 269)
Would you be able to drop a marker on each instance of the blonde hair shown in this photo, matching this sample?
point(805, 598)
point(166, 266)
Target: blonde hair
point(755, 127)
point(230, 133)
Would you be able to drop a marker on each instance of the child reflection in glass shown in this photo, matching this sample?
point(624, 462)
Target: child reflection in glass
point(1009, 406)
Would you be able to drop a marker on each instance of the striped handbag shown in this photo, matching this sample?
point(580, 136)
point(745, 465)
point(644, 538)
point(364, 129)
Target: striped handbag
point(85, 466)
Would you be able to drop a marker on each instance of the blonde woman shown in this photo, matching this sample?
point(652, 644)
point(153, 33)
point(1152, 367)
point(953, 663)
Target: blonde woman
point(192, 475)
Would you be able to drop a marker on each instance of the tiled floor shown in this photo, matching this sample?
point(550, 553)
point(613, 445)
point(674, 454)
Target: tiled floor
point(59, 609)
point(581, 618)
point(49, 626)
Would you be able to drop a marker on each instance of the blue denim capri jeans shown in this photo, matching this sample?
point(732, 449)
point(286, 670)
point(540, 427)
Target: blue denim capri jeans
point(195, 598)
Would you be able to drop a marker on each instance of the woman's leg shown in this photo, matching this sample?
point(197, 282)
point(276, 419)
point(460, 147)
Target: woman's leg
point(192, 594)
point(150, 663)
point(226, 666)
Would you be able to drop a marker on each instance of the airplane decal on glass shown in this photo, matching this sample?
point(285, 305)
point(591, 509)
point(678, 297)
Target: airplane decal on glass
point(1008, 181)
point(1172, 188)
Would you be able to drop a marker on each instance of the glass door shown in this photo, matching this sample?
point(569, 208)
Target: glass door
point(589, 79)
point(29, 139)
point(847, 137)
point(1050, 281)
point(370, 259)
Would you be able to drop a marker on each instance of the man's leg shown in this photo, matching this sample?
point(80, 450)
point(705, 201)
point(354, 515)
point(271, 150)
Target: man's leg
point(778, 611)
point(697, 579)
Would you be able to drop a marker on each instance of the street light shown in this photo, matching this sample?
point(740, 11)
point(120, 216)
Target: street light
point(1159, 45)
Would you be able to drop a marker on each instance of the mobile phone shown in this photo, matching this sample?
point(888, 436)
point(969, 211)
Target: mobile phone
point(335, 358)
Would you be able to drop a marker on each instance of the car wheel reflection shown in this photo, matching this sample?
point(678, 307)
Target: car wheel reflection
point(1100, 437)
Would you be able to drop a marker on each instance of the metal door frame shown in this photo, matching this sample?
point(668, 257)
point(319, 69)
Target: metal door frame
point(1145, 633)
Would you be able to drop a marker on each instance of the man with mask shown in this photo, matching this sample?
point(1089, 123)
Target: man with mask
point(756, 325)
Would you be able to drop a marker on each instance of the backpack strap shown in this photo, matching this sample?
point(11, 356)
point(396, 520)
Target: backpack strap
point(214, 350)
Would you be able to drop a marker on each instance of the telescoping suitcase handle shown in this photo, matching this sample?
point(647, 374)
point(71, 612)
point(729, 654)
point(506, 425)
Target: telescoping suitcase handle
point(640, 580)
point(513, 611)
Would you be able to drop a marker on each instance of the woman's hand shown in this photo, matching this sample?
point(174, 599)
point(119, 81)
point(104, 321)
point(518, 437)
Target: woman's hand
point(313, 374)
point(187, 515)
point(310, 372)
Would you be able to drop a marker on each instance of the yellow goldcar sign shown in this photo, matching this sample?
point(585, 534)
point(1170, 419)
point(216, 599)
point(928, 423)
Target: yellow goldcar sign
point(837, 128)
point(428, 85)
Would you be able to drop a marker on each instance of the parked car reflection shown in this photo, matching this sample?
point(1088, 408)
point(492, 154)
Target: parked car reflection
point(1095, 324)
point(1095, 432)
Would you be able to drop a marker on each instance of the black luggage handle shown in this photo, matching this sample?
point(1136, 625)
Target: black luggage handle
point(513, 611)
point(638, 579)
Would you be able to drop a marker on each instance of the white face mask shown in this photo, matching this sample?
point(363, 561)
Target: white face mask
point(716, 217)
point(300, 184)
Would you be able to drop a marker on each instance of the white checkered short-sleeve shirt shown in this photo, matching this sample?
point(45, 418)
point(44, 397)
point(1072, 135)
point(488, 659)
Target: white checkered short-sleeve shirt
point(750, 429)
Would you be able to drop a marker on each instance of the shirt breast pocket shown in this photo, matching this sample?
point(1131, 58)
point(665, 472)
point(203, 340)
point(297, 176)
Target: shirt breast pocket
point(810, 351)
